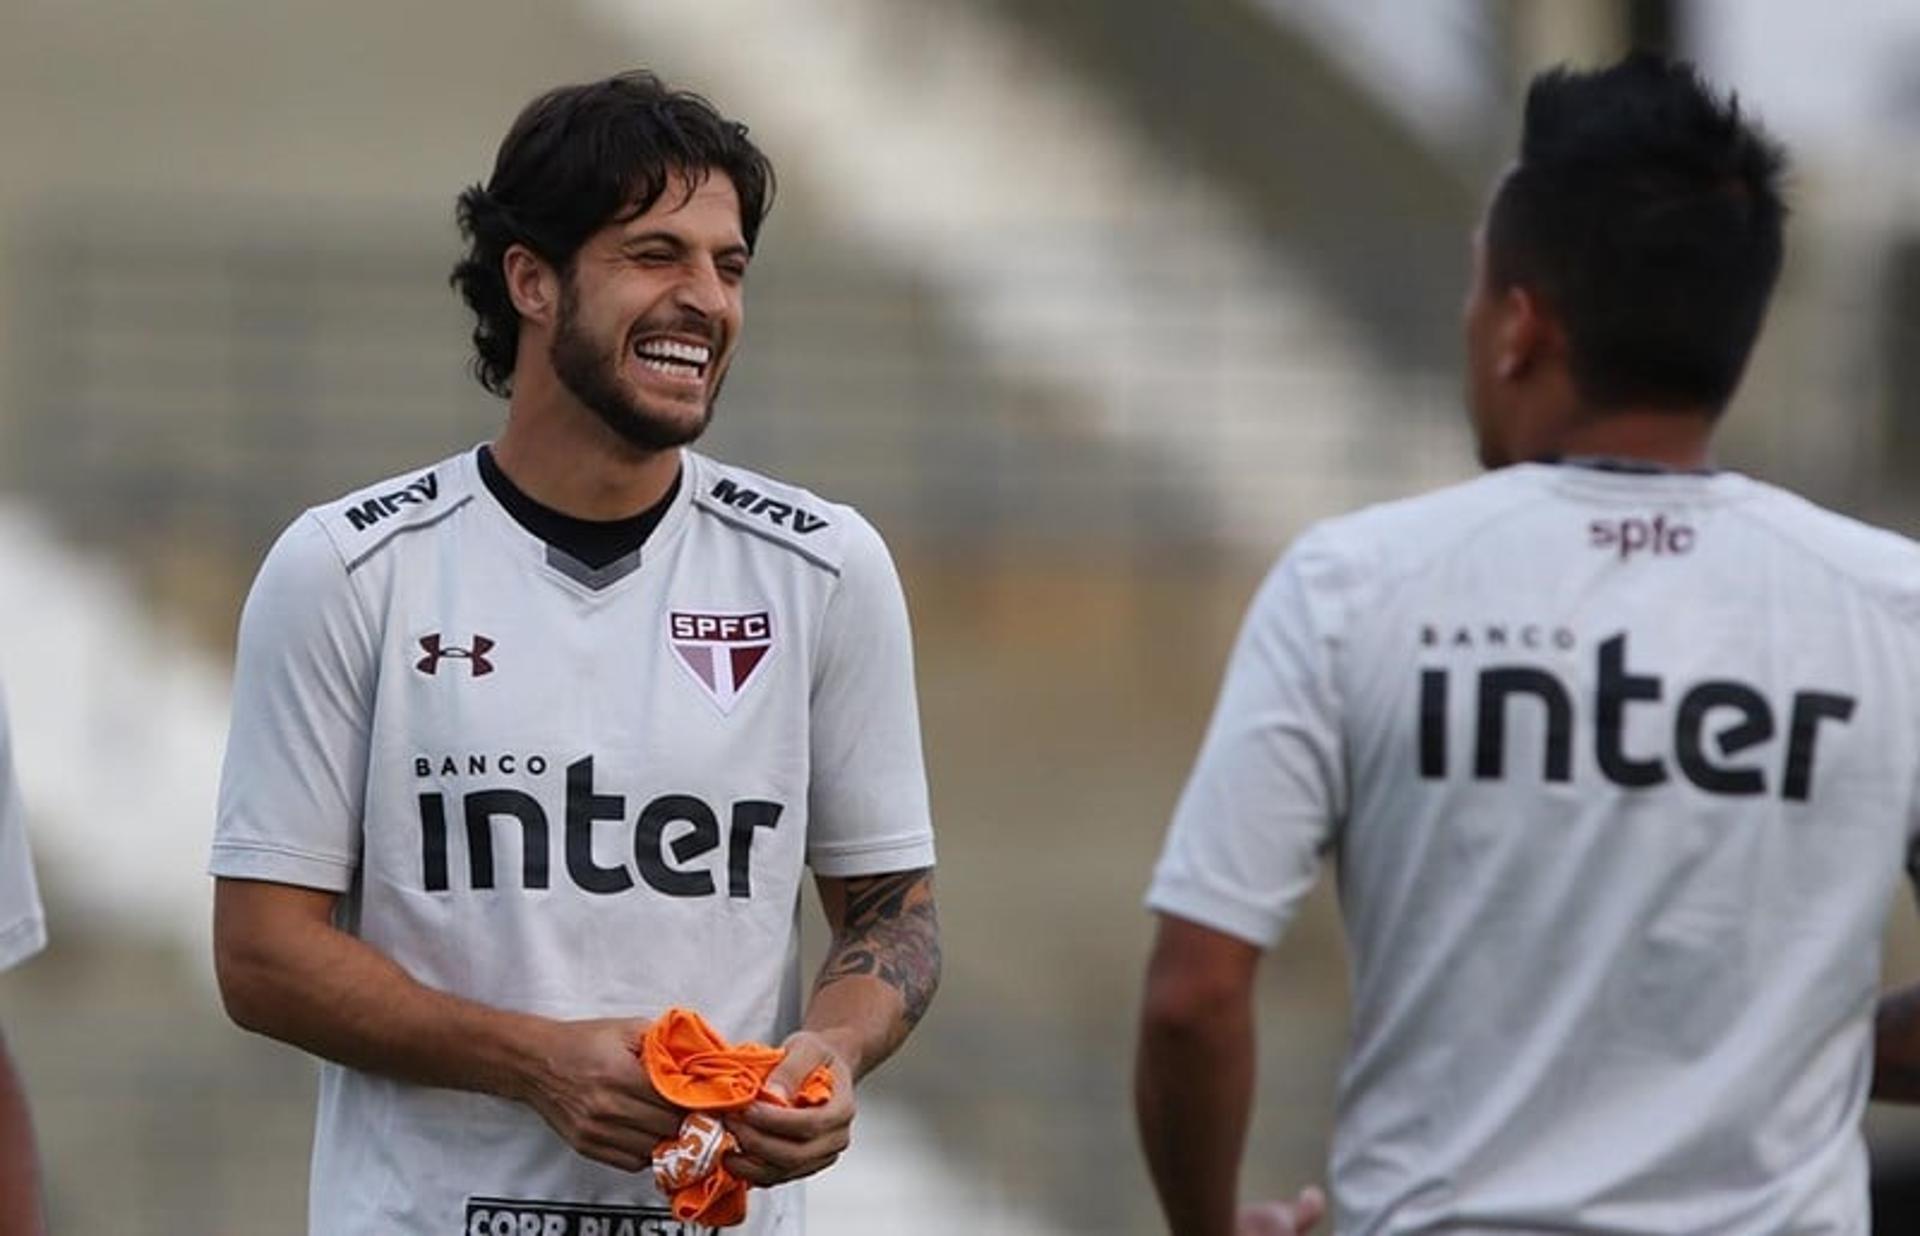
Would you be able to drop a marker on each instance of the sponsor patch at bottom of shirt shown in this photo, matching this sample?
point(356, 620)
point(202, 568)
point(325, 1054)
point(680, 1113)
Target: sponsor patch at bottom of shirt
point(506, 1216)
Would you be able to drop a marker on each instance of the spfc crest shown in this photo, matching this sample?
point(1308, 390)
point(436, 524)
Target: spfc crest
point(721, 651)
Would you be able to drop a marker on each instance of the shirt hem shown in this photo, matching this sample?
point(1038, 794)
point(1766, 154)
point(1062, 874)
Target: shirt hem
point(248, 862)
point(21, 939)
point(1185, 900)
point(876, 859)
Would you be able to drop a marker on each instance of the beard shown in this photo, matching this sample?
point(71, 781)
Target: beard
point(592, 376)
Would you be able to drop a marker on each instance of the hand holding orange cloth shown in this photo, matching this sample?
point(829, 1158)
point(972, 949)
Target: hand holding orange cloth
point(692, 1067)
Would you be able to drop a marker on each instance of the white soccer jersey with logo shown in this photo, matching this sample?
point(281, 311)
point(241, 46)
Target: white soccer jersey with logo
point(1619, 772)
point(567, 791)
point(23, 925)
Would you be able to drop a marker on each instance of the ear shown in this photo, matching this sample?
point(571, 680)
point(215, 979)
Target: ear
point(532, 283)
point(1525, 336)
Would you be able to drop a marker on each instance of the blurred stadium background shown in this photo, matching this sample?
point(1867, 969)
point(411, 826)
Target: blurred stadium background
point(1090, 304)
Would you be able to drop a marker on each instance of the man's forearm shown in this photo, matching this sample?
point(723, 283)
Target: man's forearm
point(1193, 1087)
point(20, 1205)
point(1896, 1047)
point(882, 966)
point(311, 985)
point(1193, 1076)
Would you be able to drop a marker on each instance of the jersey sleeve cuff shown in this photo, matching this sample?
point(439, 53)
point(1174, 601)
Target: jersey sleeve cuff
point(872, 858)
point(1217, 909)
point(21, 939)
point(238, 861)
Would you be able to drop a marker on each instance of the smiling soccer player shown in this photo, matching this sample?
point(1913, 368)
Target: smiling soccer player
point(534, 743)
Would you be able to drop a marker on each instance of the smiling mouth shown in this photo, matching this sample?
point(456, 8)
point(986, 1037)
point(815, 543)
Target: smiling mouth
point(674, 358)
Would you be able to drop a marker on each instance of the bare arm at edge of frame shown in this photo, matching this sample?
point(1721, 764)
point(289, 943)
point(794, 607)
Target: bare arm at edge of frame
point(20, 1190)
point(1896, 1046)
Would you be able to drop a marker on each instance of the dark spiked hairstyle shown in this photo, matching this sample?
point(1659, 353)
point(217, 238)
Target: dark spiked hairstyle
point(1646, 212)
point(577, 159)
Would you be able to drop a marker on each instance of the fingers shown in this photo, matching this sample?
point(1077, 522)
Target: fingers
point(648, 1119)
point(1295, 1218)
point(1266, 1219)
point(616, 1144)
point(621, 1155)
point(797, 1123)
point(619, 1133)
point(805, 1053)
point(777, 1144)
point(1309, 1208)
point(760, 1172)
point(800, 1145)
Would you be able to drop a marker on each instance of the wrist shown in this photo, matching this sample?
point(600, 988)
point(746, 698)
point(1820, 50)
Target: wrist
point(845, 1046)
point(520, 1057)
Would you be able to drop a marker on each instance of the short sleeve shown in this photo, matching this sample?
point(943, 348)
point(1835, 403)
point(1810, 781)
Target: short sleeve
point(1269, 784)
point(867, 802)
point(23, 924)
point(293, 783)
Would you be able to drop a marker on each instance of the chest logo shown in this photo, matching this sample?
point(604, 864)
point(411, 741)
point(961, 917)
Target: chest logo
point(722, 652)
point(475, 654)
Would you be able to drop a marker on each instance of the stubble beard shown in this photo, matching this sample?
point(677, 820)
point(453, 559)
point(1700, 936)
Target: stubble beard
point(593, 377)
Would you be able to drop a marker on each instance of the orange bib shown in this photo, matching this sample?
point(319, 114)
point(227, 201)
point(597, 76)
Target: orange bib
point(691, 1066)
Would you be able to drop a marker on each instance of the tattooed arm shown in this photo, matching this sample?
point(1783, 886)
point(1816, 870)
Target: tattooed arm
point(879, 976)
point(882, 966)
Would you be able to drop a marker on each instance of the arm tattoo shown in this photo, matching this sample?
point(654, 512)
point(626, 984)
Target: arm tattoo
point(889, 931)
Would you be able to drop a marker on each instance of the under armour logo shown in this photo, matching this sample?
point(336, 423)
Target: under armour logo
point(475, 657)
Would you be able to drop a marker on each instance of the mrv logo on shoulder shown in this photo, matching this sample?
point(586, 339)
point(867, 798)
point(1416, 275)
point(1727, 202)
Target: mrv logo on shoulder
point(1726, 736)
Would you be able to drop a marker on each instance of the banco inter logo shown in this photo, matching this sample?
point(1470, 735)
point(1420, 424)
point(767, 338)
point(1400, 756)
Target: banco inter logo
point(474, 655)
point(1726, 735)
point(680, 846)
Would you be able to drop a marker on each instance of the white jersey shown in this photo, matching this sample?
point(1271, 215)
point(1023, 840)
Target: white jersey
point(567, 791)
point(1619, 772)
point(23, 925)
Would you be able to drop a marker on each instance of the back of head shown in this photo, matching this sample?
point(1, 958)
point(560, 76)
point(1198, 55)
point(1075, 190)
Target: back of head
point(577, 159)
point(1645, 212)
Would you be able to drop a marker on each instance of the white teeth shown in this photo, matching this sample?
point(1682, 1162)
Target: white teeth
point(673, 350)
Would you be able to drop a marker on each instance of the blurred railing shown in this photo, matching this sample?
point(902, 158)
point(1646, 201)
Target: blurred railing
point(201, 383)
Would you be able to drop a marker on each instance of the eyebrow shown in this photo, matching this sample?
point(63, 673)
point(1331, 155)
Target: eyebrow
point(736, 249)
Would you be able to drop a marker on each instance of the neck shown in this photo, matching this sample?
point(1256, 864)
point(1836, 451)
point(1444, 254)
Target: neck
point(561, 455)
point(1681, 440)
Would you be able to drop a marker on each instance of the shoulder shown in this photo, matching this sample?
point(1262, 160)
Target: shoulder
point(1878, 561)
point(1389, 539)
point(829, 535)
point(362, 523)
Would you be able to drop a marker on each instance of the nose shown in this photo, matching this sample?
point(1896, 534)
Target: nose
point(702, 291)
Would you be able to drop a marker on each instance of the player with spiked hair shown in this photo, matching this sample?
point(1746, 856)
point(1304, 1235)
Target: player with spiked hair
point(1616, 753)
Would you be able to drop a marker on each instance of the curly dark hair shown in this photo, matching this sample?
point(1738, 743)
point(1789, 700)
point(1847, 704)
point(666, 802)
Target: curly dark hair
point(579, 158)
point(1646, 211)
